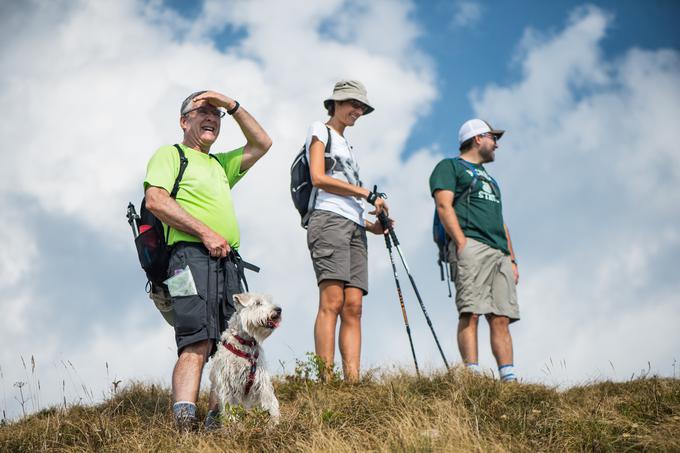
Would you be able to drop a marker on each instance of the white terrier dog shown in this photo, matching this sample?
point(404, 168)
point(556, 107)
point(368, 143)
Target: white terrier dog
point(238, 373)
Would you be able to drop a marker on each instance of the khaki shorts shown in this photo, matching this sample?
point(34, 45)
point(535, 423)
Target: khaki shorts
point(485, 283)
point(338, 249)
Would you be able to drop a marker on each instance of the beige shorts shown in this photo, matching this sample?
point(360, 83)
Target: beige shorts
point(339, 249)
point(485, 283)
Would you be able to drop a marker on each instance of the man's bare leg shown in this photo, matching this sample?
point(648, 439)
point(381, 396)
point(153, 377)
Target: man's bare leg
point(501, 345)
point(186, 380)
point(467, 338)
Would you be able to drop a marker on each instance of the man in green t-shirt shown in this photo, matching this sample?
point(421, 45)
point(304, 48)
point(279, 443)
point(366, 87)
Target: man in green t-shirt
point(203, 232)
point(468, 201)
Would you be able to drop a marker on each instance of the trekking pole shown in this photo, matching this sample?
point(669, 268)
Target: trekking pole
point(388, 244)
point(133, 218)
point(448, 278)
point(444, 270)
point(386, 223)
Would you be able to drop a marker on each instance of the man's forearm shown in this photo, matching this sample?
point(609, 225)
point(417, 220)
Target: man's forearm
point(171, 213)
point(258, 141)
point(507, 236)
point(449, 219)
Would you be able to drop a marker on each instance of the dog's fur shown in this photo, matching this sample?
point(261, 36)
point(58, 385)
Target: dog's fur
point(255, 318)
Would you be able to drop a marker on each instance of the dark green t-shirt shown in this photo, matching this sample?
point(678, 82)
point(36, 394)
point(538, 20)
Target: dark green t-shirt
point(480, 216)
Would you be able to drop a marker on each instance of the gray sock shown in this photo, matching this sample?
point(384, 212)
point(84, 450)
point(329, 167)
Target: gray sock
point(185, 415)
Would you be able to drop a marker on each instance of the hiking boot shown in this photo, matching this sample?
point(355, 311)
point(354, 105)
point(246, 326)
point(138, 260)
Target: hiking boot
point(212, 421)
point(186, 424)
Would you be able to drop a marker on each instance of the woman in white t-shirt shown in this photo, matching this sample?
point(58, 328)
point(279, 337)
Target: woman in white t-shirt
point(336, 233)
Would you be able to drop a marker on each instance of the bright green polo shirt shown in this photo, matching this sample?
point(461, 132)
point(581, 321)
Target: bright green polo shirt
point(205, 189)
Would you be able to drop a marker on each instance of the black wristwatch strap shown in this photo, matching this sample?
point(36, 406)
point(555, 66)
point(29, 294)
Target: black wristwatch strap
point(234, 109)
point(372, 196)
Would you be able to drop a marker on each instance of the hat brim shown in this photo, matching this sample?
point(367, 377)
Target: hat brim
point(342, 97)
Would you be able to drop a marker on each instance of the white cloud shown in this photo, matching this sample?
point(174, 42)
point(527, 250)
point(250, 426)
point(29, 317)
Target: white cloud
point(467, 13)
point(18, 254)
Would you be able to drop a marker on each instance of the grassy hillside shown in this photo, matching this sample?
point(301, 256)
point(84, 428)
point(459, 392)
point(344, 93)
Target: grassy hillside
point(397, 412)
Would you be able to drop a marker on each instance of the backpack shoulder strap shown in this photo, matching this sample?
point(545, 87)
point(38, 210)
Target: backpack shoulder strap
point(328, 159)
point(486, 176)
point(183, 162)
point(475, 176)
point(327, 151)
point(466, 164)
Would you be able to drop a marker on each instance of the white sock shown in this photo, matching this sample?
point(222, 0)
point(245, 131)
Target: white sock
point(507, 372)
point(474, 367)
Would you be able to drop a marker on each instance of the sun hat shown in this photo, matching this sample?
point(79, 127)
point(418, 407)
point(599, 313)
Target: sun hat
point(472, 128)
point(349, 89)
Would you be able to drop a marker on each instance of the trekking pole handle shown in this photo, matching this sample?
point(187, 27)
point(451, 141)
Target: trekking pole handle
point(374, 195)
point(132, 219)
point(385, 222)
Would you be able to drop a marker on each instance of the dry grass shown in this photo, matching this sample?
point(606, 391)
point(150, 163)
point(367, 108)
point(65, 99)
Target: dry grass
point(397, 412)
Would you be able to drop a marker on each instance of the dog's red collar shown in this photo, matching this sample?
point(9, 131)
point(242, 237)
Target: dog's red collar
point(252, 358)
point(245, 342)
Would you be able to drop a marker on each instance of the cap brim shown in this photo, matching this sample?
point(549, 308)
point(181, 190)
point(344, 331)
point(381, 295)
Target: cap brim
point(497, 132)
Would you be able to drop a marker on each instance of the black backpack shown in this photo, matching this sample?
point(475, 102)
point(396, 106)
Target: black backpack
point(302, 191)
point(151, 240)
point(441, 239)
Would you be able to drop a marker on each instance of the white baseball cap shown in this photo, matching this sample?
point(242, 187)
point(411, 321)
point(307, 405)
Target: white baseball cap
point(472, 128)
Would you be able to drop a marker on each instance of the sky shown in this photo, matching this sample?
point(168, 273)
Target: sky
point(589, 94)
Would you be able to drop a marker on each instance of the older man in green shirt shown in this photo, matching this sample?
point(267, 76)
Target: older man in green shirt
point(203, 231)
point(483, 263)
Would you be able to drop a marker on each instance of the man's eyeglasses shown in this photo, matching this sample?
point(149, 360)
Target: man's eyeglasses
point(491, 136)
point(357, 105)
point(204, 111)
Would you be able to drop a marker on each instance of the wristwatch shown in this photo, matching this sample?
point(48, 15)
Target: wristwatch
point(233, 110)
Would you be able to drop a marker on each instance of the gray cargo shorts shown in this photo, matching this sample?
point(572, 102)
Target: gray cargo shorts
point(205, 315)
point(484, 280)
point(338, 248)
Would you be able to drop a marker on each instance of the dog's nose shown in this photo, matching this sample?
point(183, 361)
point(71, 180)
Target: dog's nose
point(278, 310)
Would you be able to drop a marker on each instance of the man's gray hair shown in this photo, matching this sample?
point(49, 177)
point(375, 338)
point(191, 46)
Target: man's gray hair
point(186, 104)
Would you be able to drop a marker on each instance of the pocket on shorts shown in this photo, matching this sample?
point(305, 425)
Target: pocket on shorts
point(322, 253)
point(470, 244)
point(190, 314)
point(177, 261)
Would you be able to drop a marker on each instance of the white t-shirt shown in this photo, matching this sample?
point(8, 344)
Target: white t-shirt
point(346, 169)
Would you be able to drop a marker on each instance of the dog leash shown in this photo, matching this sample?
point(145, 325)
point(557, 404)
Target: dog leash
point(241, 265)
